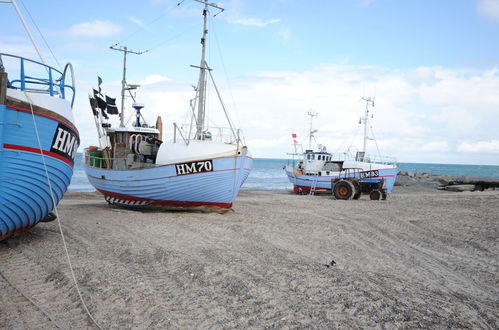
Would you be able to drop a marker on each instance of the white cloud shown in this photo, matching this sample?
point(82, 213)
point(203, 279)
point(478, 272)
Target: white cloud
point(255, 21)
point(489, 8)
point(154, 79)
point(95, 29)
point(491, 146)
point(421, 114)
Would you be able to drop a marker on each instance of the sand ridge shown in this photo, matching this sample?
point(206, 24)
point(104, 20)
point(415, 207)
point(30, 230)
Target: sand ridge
point(422, 258)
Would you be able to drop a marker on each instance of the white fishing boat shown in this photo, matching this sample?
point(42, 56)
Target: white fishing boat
point(201, 166)
point(345, 176)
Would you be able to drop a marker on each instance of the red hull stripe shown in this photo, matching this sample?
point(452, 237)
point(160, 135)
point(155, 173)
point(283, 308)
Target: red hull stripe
point(308, 187)
point(67, 123)
point(156, 202)
point(37, 151)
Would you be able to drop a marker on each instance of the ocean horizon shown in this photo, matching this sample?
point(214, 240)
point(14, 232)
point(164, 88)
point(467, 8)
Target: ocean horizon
point(268, 173)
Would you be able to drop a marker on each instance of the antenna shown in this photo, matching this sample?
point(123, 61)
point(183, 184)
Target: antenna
point(365, 119)
point(213, 4)
point(203, 66)
point(312, 114)
point(124, 85)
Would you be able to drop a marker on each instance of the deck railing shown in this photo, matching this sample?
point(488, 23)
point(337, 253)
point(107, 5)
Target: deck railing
point(378, 159)
point(47, 79)
point(215, 134)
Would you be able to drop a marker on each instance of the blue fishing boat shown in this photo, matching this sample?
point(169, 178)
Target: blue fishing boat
point(38, 140)
point(133, 166)
point(344, 176)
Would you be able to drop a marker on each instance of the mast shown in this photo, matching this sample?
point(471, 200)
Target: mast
point(311, 134)
point(202, 71)
point(369, 101)
point(124, 85)
point(14, 3)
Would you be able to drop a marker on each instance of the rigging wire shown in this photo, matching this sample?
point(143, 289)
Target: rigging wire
point(375, 141)
point(172, 38)
point(226, 76)
point(41, 34)
point(154, 21)
point(354, 135)
point(149, 23)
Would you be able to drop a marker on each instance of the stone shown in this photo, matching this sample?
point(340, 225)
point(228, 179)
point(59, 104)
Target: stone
point(460, 187)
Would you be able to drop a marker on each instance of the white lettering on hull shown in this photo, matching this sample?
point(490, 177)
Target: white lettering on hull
point(194, 167)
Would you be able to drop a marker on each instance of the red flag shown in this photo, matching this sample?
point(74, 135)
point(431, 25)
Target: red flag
point(294, 138)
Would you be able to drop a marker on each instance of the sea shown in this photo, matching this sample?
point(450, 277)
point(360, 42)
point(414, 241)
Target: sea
point(268, 174)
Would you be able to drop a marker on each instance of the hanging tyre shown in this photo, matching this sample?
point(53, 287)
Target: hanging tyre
point(343, 189)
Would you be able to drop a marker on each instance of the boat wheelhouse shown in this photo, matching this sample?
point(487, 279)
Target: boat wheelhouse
point(134, 166)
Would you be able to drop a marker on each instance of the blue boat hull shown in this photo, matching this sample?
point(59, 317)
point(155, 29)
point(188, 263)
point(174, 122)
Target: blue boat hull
point(34, 173)
point(161, 186)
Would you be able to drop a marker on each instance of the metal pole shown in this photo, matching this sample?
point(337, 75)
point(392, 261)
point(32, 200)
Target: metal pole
point(366, 119)
point(202, 74)
point(202, 78)
point(311, 133)
point(27, 30)
point(123, 86)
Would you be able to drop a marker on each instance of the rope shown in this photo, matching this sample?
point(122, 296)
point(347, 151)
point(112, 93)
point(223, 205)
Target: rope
point(31, 301)
point(375, 141)
point(57, 214)
point(226, 76)
point(141, 28)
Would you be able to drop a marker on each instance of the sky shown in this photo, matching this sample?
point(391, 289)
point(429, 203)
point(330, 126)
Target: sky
point(431, 66)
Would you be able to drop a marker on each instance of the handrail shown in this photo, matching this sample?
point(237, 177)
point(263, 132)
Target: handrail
point(53, 87)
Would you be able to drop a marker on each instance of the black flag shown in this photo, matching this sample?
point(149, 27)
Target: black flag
point(111, 106)
point(93, 104)
point(101, 104)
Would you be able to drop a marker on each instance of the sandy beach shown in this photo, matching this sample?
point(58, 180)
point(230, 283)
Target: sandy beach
point(423, 258)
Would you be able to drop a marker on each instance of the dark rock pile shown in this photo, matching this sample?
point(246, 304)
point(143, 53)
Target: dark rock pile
point(446, 182)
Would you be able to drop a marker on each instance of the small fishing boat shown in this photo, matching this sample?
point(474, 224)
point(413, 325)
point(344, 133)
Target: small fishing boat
point(345, 176)
point(133, 166)
point(38, 139)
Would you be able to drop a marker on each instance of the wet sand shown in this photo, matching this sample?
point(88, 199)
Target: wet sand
point(422, 258)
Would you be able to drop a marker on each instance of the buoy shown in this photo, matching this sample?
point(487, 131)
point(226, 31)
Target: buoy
point(159, 127)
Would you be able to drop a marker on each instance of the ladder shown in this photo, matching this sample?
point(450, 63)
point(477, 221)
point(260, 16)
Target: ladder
point(314, 184)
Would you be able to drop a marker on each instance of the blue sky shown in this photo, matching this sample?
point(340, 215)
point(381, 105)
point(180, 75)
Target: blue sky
point(433, 67)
